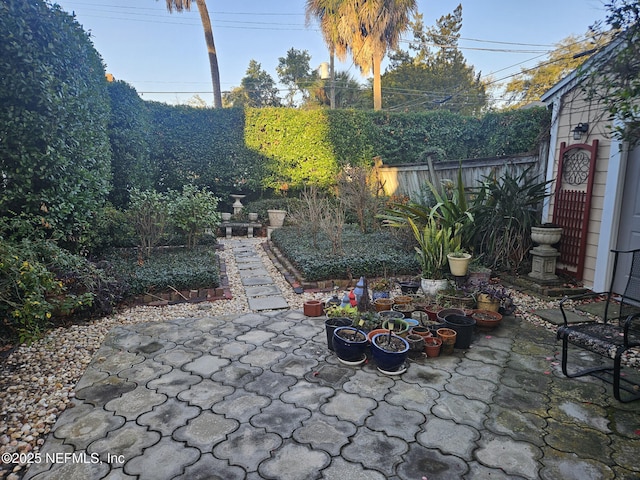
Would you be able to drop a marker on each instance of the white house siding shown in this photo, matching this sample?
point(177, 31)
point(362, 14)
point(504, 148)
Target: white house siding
point(575, 109)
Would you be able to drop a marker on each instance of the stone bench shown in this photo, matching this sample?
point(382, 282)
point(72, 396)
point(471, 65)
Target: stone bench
point(229, 226)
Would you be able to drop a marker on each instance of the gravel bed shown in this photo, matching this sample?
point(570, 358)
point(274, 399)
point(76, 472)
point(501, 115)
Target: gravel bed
point(37, 381)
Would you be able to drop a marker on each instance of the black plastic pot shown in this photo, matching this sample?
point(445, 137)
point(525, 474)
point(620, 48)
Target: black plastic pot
point(331, 324)
point(463, 326)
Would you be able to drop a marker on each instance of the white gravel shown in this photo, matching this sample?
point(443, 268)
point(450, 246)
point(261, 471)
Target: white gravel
point(37, 381)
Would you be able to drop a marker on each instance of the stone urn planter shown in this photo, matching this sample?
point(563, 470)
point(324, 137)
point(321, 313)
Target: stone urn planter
point(225, 216)
point(276, 217)
point(546, 236)
point(253, 217)
point(544, 256)
point(390, 353)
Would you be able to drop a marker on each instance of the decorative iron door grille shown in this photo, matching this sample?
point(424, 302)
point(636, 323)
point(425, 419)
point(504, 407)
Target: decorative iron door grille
point(572, 204)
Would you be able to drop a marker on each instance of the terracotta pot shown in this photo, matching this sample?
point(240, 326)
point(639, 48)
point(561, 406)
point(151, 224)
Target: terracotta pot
point(312, 308)
point(402, 300)
point(382, 304)
point(422, 331)
point(432, 310)
point(432, 346)
point(486, 319)
point(448, 337)
point(373, 333)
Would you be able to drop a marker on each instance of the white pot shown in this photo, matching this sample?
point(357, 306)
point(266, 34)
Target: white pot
point(225, 216)
point(432, 287)
point(459, 265)
point(276, 217)
point(253, 217)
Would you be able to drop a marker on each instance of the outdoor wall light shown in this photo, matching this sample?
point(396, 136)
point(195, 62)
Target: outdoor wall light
point(580, 129)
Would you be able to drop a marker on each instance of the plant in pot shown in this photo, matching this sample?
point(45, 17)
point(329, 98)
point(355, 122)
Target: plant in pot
point(337, 316)
point(434, 243)
point(459, 262)
point(389, 353)
point(494, 298)
point(350, 345)
point(381, 288)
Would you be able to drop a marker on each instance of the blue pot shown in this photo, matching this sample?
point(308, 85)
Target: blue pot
point(349, 350)
point(389, 361)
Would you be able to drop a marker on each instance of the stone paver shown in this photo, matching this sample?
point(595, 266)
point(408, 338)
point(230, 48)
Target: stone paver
point(259, 395)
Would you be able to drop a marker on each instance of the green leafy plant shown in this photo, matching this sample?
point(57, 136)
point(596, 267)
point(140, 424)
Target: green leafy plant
point(193, 211)
point(149, 213)
point(504, 211)
point(434, 243)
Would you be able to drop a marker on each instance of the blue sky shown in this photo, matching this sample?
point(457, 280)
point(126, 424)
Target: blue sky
point(144, 45)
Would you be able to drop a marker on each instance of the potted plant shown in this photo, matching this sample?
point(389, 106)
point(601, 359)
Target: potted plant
point(458, 262)
point(389, 352)
point(350, 345)
point(337, 316)
point(494, 298)
point(434, 243)
point(381, 288)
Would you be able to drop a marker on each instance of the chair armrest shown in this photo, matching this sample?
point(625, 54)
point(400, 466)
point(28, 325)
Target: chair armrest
point(627, 326)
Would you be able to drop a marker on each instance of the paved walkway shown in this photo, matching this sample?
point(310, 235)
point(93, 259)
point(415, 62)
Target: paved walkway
point(259, 395)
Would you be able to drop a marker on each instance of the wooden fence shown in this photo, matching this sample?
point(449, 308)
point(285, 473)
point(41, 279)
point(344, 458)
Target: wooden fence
point(411, 179)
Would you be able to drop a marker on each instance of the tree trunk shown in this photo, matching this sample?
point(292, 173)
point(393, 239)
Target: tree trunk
point(332, 74)
point(211, 49)
point(377, 87)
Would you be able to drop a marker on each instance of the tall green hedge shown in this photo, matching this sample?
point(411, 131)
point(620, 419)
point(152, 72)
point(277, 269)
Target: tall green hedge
point(128, 135)
point(54, 108)
point(249, 150)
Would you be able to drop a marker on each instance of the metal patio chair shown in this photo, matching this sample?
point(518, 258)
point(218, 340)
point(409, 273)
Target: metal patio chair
point(610, 336)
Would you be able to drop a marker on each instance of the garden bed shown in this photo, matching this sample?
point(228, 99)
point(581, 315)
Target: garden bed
point(376, 254)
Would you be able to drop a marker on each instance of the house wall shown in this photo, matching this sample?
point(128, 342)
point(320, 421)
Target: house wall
point(574, 109)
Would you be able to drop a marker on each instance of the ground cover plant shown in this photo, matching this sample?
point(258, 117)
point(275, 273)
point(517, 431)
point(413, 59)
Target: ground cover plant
point(374, 254)
point(168, 268)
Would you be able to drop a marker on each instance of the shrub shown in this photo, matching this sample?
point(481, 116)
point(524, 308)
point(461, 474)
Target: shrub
point(54, 152)
point(34, 290)
point(193, 211)
point(149, 214)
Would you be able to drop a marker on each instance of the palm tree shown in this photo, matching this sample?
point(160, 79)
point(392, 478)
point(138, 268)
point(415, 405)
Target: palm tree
point(179, 6)
point(366, 29)
point(327, 12)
